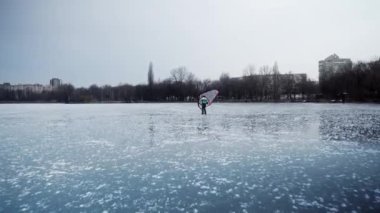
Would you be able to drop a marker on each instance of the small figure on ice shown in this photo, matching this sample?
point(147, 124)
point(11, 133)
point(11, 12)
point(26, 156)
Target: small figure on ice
point(206, 99)
point(203, 102)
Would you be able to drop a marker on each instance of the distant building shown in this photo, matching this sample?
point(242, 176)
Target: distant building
point(332, 65)
point(55, 82)
point(32, 88)
point(298, 77)
point(6, 86)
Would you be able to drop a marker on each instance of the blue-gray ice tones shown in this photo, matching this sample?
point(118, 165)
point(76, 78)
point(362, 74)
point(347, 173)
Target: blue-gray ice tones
point(168, 157)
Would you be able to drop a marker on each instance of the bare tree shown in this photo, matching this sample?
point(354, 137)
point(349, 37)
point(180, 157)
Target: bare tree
point(249, 71)
point(206, 85)
point(95, 92)
point(224, 80)
point(191, 87)
point(190, 78)
point(289, 83)
point(183, 82)
point(264, 82)
point(150, 82)
point(250, 81)
point(275, 82)
point(179, 74)
point(150, 75)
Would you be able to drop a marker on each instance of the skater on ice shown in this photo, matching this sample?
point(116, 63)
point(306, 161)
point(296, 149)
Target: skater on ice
point(203, 102)
point(206, 99)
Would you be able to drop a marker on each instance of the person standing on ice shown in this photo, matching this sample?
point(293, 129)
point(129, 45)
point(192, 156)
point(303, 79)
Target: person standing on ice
point(203, 102)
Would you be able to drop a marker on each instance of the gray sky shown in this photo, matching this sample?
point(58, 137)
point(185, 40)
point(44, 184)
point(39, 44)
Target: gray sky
point(112, 42)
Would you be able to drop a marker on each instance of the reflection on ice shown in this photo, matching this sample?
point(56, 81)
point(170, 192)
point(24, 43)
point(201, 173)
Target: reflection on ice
point(167, 157)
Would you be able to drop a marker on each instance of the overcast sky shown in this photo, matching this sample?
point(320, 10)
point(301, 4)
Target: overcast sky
point(111, 42)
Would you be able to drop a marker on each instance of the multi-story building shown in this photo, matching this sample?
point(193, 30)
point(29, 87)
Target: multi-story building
point(55, 82)
point(332, 65)
point(5, 86)
point(33, 88)
point(297, 77)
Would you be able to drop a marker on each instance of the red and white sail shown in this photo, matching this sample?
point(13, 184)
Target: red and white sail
point(210, 95)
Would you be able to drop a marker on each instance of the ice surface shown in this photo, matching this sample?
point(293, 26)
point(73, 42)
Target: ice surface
point(170, 158)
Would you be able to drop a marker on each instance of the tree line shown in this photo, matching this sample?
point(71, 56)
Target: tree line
point(266, 84)
point(359, 83)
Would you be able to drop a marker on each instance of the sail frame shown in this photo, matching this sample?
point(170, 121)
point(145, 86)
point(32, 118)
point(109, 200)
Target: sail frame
point(210, 95)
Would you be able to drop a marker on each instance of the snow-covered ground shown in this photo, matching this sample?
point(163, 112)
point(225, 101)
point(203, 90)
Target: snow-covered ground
point(170, 158)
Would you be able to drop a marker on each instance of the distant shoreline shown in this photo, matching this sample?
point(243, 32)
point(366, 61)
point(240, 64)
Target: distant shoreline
point(161, 102)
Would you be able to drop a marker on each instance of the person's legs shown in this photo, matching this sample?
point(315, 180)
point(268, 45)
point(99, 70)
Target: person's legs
point(203, 110)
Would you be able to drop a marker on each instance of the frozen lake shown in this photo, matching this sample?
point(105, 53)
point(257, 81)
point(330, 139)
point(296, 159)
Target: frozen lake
point(170, 158)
